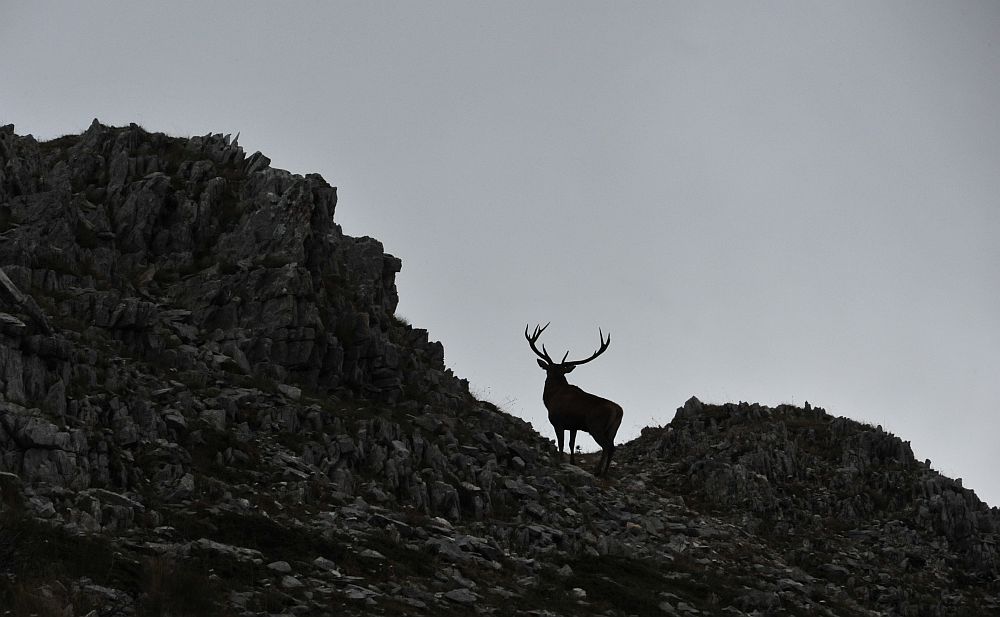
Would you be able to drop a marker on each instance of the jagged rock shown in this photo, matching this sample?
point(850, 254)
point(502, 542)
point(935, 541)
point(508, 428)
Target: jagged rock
point(11, 491)
point(290, 391)
point(290, 582)
point(216, 418)
point(12, 297)
point(327, 566)
point(235, 553)
point(41, 506)
point(461, 596)
point(281, 567)
point(11, 325)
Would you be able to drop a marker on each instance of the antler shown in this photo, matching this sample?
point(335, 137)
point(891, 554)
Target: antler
point(544, 354)
point(533, 338)
point(604, 347)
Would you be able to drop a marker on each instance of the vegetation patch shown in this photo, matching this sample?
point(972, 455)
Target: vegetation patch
point(207, 445)
point(62, 142)
point(627, 586)
point(30, 548)
point(170, 587)
point(272, 538)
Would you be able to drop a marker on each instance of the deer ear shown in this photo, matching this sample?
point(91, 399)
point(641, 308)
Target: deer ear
point(543, 365)
point(569, 369)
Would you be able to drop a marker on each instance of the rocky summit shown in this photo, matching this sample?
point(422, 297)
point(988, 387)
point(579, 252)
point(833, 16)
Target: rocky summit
point(208, 407)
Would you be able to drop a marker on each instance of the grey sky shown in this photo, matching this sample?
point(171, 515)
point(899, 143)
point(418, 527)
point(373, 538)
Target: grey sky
point(771, 202)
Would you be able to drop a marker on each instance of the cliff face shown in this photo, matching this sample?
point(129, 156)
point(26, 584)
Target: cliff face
point(208, 407)
point(179, 247)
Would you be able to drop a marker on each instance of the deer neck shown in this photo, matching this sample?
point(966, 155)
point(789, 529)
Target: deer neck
point(553, 384)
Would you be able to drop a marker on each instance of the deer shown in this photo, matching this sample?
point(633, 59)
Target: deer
point(570, 408)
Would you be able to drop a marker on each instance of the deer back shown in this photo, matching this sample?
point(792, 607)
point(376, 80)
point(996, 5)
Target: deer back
point(572, 407)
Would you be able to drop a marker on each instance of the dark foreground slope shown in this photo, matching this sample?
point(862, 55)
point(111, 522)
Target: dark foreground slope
point(207, 407)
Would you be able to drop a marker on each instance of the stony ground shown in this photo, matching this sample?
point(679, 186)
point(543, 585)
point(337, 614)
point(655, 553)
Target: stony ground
point(207, 407)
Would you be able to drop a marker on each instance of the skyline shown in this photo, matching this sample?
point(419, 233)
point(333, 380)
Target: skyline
point(771, 204)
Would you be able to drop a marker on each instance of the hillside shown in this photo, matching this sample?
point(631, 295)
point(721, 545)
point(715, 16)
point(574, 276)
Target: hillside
point(208, 407)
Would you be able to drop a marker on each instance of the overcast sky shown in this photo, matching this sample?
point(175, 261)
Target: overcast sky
point(772, 202)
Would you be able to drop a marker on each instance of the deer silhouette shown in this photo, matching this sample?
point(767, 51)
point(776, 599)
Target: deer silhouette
point(571, 409)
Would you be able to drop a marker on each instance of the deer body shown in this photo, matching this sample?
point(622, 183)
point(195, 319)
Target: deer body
point(573, 409)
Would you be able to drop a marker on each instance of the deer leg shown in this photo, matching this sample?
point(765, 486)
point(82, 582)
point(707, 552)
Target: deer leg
point(572, 446)
point(608, 453)
point(559, 436)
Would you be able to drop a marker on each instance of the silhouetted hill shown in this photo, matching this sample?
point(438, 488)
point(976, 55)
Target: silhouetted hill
point(208, 407)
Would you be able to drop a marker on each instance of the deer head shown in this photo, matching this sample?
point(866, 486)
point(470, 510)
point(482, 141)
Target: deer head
point(563, 366)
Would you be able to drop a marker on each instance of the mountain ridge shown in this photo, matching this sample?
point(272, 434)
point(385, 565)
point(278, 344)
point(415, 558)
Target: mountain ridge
point(205, 387)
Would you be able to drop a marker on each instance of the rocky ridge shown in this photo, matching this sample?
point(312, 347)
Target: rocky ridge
point(208, 407)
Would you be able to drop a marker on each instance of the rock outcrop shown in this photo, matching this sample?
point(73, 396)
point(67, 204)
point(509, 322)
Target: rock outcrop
point(208, 407)
point(158, 243)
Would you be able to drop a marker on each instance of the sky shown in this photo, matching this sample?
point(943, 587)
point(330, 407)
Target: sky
point(776, 202)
